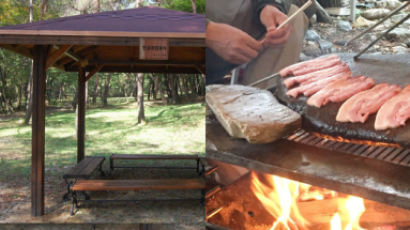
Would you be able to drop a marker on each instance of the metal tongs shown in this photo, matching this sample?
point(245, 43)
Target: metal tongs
point(383, 34)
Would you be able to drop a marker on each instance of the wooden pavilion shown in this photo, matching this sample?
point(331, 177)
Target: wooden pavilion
point(137, 40)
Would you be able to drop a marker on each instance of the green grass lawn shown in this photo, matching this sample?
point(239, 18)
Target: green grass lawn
point(170, 129)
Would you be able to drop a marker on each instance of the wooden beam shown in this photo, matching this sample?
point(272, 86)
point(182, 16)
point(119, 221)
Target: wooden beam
point(38, 130)
point(94, 71)
point(56, 55)
point(81, 114)
point(146, 62)
point(188, 69)
point(19, 49)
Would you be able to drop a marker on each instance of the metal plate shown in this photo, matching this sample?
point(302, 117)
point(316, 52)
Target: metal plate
point(393, 69)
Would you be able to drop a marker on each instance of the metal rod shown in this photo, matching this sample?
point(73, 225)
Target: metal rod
point(212, 192)
point(212, 170)
point(380, 37)
point(264, 79)
point(213, 213)
point(379, 22)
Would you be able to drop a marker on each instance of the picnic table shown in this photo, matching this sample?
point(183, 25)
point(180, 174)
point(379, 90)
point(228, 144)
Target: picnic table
point(81, 173)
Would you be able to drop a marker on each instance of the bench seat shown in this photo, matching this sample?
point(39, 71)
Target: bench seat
point(133, 185)
point(81, 186)
point(196, 158)
point(152, 157)
point(85, 168)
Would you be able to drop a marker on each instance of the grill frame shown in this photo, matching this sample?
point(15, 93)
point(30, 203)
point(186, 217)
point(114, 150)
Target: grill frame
point(358, 173)
point(390, 154)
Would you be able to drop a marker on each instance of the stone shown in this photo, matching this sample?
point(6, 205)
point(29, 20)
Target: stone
point(375, 13)
point(312, 35)
point(312, 51)
point(340, 42)
point(401, 50)
point(370, 36)
point(396, 18)
point(325, 45)
point(388, 4)
point(303, 57)
point(344, 25)
point(313, 19)
point(251, 113)
point(363, 22)
point(338, 11)
point(400, 34)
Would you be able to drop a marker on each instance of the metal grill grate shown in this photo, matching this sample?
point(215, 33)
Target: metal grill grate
point(393, 155)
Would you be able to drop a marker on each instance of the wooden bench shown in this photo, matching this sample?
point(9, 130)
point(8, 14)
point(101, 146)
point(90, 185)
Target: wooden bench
point(199, 165)
point(83, 170)
point(133, 185)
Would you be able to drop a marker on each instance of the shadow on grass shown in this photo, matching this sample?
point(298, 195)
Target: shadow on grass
point(108, 130)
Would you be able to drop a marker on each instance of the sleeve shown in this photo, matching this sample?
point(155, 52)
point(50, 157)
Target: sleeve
point(258, 5)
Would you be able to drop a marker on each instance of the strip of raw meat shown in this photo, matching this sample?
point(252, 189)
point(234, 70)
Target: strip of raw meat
point(340, 90)
point(313, 68)
point(310, 77)
point(360, 106)
point(312, 64)
point(394, 112)
point(313, 90)
point(313, 87)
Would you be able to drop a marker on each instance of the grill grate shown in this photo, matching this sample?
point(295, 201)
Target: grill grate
point(393, 155)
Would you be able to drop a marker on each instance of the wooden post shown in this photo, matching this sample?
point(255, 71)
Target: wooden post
point(81, 114)
point(38, 130)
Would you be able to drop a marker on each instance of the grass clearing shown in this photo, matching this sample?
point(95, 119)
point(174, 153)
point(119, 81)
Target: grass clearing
point(170, 129)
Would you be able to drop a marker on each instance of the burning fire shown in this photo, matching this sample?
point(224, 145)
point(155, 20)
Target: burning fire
point(280, 196)
point(361, 142)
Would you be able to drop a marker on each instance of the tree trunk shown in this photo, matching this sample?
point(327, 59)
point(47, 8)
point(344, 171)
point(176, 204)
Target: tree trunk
point(140, 85)
point(44, 6)
point(29, 99)
point(60, 93)
point(106, 90)
point(161, 91)
point(156, 86)
point(151, 88)
point(74, 103)
point(95, 91)
point(86, 93)
point(193, 3)
point(3, 92)
point(20, 93)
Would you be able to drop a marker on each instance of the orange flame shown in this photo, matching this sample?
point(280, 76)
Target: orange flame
point(280, 196)
point(351, 208)
point(354, 141)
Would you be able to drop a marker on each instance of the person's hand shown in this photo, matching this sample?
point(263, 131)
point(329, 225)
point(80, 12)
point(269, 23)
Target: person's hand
point(232, 44)
point(271, 18)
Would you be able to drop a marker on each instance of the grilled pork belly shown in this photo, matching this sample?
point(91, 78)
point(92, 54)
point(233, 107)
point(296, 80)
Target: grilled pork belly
point(340, 90)
point(394, 112)
point(360, 106)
